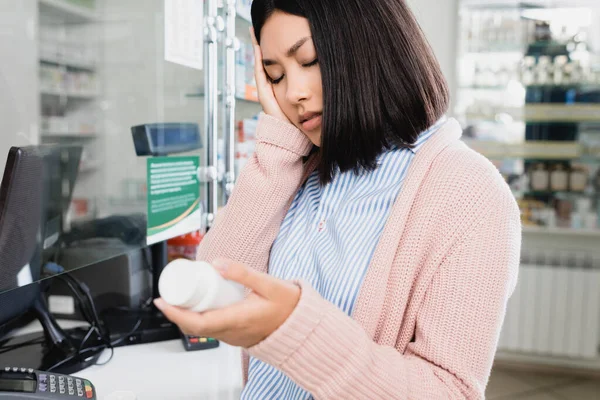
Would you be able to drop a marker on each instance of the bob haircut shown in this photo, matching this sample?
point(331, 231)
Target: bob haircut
point(382, 85)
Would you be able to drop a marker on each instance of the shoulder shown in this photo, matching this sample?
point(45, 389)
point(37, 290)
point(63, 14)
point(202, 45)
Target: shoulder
point(462, 188)
point(464, 171)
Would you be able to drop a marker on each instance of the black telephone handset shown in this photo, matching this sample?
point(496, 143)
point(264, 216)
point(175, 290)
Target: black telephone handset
point(26, 383)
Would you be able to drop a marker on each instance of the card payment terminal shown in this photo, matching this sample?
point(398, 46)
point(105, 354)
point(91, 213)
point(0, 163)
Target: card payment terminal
point(26, 383)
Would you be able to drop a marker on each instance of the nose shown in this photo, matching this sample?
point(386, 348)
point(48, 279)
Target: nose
point(297, 90)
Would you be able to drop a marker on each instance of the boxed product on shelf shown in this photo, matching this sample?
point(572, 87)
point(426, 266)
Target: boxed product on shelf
point(488, 31)
point(245, 143)
point(51, 78)
point(81, 82)
point(57, 79)
point(81, 209)
point(67, 125)
point(55, 125)
point(245, 85)
point(184, 246)
point(57, 45)
point(70, 54)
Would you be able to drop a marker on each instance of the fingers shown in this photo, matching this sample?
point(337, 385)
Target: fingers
point(210, 323)
point(259, 72)
point(253, 36)
point(188, 321)
point(264, 285)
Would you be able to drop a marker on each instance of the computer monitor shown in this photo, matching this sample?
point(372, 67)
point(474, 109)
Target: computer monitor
point(61, 166)
point(21, 204)
point(35, 195)
point(31, 214)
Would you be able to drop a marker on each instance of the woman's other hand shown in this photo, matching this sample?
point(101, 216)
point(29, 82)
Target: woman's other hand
point(245, 323)
point(264, 87)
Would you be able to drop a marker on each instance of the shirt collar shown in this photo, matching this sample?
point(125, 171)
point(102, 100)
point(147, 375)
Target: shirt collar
point(423, 136)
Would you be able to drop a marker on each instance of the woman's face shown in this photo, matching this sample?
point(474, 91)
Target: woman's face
point(290, 61)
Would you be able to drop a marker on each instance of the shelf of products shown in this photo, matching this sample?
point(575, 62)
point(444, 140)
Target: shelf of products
point(529, 100)
point(83, 95)
point(534, 150)
point(539, 113)
point(69, 86)
point(67, 63)
point(237, 97)
point(67, 135)
point(67, 126)
point(533, 229)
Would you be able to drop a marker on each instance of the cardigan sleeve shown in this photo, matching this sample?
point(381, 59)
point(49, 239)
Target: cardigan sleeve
point(330, 355)
point(246, 228)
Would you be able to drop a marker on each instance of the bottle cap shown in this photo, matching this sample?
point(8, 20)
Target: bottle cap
point(178, 283)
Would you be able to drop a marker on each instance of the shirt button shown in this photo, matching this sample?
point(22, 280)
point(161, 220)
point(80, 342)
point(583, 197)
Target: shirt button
point(321, 225)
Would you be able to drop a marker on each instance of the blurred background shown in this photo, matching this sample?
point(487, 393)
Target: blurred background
point(525, 82)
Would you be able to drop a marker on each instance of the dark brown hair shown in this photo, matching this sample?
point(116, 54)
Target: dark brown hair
point(382, 85)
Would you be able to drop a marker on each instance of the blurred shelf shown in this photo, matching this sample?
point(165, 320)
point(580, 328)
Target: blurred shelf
point(482, 87)
point(71, 95)
point(517, 5)
point(545, 113)
point(561, 193)
point(62, 12)
point(70, 135)
point(45, 59)
point(543, 150)
point(562, 112)
point(240, 98)
point(564, 85)
point(515, 53)
point(560, 231)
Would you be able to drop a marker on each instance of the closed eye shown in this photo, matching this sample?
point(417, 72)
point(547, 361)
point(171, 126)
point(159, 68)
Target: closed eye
point(276, 81)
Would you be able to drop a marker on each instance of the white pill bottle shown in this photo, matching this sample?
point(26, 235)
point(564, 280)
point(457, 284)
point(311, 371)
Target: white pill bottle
point(197, 286)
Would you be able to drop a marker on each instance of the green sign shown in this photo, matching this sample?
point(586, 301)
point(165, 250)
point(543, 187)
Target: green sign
point(173, 197)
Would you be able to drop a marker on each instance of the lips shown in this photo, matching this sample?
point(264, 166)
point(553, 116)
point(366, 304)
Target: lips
point(306, 116)
point(310, 121)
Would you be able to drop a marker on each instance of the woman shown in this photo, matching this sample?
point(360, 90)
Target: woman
point(380, 251)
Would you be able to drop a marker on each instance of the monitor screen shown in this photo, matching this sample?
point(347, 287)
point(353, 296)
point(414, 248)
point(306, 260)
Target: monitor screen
point(35, 194)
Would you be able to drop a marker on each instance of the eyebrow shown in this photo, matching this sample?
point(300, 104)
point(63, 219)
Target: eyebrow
point(290, 52)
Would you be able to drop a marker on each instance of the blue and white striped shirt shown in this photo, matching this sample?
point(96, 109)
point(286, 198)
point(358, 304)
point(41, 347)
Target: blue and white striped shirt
point(328, 238)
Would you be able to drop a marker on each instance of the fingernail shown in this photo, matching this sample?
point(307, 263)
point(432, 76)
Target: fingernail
point(159, 303)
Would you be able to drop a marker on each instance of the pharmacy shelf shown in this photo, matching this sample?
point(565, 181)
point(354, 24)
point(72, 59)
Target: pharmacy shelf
point(71, 95)
point(483, 87)
point(240, 98)
point(546, 113)
point(562, 112)
point(514, 4)
point(62, 12)
point(528, 229)
point(47, 59)
point(70, 135)
point(543, 150)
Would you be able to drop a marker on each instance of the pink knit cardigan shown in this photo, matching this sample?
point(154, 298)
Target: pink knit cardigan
point(429, 313)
